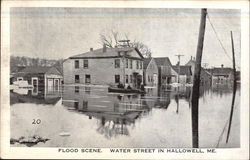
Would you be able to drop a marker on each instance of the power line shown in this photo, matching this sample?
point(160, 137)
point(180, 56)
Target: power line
point(221, 44)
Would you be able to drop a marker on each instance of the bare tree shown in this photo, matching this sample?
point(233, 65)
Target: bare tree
point(111, 40)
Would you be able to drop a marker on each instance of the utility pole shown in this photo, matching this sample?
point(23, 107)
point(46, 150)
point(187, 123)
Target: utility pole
point(234, 88)
point(196, 81)
point(179, 68)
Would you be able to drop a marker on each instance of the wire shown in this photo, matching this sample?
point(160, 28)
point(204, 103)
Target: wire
point(216, 34)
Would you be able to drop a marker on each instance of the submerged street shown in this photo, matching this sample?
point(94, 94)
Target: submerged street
point(90, 116)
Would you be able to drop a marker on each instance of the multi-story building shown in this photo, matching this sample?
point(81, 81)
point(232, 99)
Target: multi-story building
point(109, 66)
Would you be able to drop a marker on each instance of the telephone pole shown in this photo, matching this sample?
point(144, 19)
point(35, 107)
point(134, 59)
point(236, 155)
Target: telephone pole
point(179, 68)
point(196, 81)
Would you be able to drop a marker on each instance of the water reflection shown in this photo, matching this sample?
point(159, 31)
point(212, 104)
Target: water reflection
point(35, 95)
point(161, 115)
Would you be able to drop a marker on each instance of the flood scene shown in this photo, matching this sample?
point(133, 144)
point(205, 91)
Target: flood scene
point(125, 77)
point(90, 116)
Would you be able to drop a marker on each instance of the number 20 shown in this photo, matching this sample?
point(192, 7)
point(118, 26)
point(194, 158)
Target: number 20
point(36, 121)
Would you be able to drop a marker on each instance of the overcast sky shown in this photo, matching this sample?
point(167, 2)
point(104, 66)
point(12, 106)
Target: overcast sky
point(55, 33)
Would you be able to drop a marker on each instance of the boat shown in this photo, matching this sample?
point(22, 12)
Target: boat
point(124, 90)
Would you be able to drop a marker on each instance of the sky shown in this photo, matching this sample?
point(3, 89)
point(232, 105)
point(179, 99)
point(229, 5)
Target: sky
point(56, 33)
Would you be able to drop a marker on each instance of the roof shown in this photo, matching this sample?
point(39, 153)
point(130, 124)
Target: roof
point(222, 71)
point(162, 61)
point(146, 62)
point(35, 69)
point(190, 62)
point(184, 70)
point(110, 52)
point(38, 70)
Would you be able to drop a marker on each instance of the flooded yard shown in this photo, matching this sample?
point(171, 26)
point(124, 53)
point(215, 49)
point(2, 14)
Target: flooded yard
point(90, 116)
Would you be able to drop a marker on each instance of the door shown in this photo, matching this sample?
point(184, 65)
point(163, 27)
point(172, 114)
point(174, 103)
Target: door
point(155, 80)
point(56, 84)
point(50, 84)
point(34, 82)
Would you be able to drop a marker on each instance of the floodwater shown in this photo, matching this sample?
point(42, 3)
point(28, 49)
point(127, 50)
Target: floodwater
point(89, 116)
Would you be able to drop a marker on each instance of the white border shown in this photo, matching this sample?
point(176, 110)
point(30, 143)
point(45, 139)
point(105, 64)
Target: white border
point(23, 152)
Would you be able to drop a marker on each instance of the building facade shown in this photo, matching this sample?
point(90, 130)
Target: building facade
point(185, 74)
point(222, 75)
point(205, 76)
point(108, 66)
point(166, 72)
point(41, 78)
point(150, 72)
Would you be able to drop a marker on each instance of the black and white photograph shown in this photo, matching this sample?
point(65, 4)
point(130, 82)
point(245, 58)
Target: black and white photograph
point(122, 77)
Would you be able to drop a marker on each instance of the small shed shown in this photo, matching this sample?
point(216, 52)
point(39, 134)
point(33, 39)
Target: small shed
point(49, 77)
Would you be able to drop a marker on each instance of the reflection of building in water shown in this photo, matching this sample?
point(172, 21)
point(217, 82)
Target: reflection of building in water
point(115, 112)
point(42, 96)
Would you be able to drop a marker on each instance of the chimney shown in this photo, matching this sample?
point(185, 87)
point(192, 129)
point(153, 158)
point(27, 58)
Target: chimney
point(91, 49)
point(222, 66)
point(104, 48)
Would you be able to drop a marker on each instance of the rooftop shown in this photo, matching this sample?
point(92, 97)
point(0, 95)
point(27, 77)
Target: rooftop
point(162, 61)
point(146, 61)
point(110, 52)
point(184, 70)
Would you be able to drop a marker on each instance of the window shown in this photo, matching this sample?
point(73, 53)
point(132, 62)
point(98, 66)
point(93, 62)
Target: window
point(126, 63)
point(148, 78)
point(76, 63)
point(131, 63)
point(117, 63)
point(76, 89)
point(117, 78)
point(77, 79)
point(126, 78)
point(131, 79)
point(137, 64)
point(87, 78)
point(140, 64)
point(85, 63)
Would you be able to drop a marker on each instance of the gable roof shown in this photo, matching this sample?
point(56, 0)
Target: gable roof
point(184, 70)
point(110, 52)
point(162, 61)
point(37, 69)
point(146, 62)
point(190, 62)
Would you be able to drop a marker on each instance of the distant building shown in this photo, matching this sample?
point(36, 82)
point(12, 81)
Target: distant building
point(222, 75)
point(150, 72)
point(185, 74)
point(40, 77)
point(109, 66)
point(166, 72)
point(205, 76)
